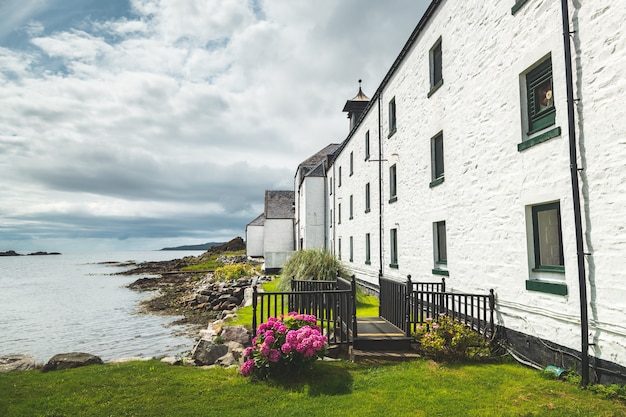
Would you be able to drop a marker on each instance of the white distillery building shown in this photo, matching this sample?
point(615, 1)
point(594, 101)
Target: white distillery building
point(460, 166)
point(492, 155)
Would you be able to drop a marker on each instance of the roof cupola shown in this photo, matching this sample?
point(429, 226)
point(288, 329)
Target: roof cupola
point(355, 106)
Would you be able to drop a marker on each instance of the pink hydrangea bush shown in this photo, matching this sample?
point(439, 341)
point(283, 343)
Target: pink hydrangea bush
point(284, 344)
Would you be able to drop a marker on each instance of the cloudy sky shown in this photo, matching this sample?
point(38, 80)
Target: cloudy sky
point(139, 124)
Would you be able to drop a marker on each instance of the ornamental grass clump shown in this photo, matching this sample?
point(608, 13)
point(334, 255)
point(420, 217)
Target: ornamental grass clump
point(448, 339)
point(287, 344)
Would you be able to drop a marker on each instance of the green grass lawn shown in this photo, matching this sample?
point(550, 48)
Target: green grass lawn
point(415, 388)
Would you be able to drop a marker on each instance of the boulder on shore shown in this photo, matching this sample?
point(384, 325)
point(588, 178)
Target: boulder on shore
point(71, 360)
point(207, 353)
point(237, 334)
point(10, 363)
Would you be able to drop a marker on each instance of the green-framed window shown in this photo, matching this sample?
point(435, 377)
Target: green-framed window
point(339, 213)
point(351, 163)
point(367, 145)
point(393, 185)
point(392, 116)
point(547, 238)
point(436, 148)
point(440, 245)
point(339, 248)
point(351, 207)
point(351, 249)
point(339, 177)
point(540, 97)
point(367, 249)
point(393, 248)
point(436, 66)
point(367, 198)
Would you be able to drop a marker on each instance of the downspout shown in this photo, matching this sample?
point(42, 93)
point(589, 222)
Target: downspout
point(582, 283)
point(380, 188)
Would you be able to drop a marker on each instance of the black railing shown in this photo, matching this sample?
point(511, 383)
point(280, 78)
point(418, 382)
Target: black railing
point(332, 302)
point(407, 309)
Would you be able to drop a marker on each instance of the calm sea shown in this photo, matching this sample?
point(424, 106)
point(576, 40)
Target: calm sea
point(70, 303)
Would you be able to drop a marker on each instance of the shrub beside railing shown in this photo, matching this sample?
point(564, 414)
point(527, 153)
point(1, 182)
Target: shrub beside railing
point(408, 305)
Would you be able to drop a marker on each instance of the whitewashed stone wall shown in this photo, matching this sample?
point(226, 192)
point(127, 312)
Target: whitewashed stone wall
point(278, 236)
point(489, 185)
point(313, 208)
point(254, 240)
point(364, 171)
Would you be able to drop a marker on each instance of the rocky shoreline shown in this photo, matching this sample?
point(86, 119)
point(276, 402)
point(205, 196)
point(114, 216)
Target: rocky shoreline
point(203, 304)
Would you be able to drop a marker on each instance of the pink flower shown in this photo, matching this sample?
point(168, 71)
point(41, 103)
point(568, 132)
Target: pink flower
point(247, 367)
point(274, 355)
point(269, 340)
point(286, 348)
point(264, 350)
point(309, 352)
point(247, 353)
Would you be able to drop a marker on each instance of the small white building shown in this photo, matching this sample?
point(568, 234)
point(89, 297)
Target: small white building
point(278, 229)
point(311, 203)
point(255, 236)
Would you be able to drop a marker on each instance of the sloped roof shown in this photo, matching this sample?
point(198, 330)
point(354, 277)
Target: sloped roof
point(314, 165)
point(316, 159)
point(279, 204)
point(318, 171)
point(259, 221)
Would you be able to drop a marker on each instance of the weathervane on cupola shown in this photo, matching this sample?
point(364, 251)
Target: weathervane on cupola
point(355, 106)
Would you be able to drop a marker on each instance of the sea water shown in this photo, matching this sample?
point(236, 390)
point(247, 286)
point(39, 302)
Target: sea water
point(73, 303)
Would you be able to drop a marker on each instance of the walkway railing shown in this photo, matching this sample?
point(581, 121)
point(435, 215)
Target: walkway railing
point(409, 304)
point(332, 302)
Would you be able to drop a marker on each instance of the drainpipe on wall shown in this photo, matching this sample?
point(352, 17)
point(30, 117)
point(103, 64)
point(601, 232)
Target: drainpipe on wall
point(582, 283)
point(380, 188)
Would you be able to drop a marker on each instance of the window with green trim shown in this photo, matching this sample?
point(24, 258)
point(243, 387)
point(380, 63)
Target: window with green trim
point(393, 196)
point(367, 145)
point(351, 163)
point(351, 207)
point(540, 97)
point(392, 116)
point(339, 177)
point(436, 65)
point(547, 237)
point(351, 249)
point(367, 249)
point(393, 237)
point(440, 244)
point(367, 197)
point(339, 213)
point(339, 248)
point(436, 148)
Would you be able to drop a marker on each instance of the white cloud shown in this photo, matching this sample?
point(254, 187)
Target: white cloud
point(182, 108)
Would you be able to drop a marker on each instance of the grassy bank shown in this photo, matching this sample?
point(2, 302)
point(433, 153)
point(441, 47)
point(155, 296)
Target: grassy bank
point(416, 388)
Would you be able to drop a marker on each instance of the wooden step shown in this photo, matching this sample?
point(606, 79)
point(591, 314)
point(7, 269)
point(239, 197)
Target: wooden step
point(383, 343)
point(357, 355)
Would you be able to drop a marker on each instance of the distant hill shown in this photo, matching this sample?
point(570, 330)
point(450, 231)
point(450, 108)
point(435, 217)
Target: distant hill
point(202, 246)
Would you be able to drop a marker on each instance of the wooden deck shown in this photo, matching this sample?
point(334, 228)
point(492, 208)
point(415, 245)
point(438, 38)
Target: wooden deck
point(377, 334)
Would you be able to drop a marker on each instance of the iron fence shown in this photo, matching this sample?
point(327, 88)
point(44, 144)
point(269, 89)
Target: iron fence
point(409, 304)
point(332, 302)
